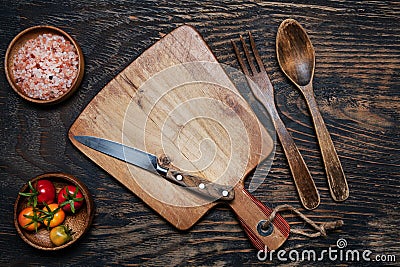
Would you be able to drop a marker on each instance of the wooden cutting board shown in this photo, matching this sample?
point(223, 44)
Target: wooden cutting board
point(176, 101)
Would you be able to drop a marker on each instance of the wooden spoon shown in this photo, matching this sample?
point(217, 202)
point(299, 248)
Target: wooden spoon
point(296, 58)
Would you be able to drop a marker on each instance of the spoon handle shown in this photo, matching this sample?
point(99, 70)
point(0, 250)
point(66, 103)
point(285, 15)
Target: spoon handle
point(334, 171)
point(303, 181)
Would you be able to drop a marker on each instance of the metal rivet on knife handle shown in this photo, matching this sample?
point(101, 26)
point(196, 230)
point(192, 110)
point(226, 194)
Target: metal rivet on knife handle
point(149, 162)
point(200, 185)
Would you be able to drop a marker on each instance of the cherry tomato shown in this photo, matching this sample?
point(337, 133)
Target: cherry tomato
point(52, 215)
point(42, 192)
point(60, 235)
point(70, 199)
point(29, 218)
point(46, 190)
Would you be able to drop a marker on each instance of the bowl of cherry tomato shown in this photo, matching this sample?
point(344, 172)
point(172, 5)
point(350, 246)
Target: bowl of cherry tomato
point(53, 211)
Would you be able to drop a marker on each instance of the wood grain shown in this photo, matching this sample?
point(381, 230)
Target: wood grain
point(296, 57)
point(149, 106)
point(356, 85)
point(171, 101)
point(263, 91)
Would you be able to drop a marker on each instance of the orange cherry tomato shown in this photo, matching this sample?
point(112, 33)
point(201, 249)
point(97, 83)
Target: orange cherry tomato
point(28, 218)
point(53, 215)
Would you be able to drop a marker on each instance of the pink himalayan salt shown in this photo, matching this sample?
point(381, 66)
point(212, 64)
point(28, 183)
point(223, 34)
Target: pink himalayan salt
point(46, 66)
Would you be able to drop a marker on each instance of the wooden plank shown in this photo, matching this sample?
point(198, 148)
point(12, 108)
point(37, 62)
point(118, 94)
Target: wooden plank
point(356, 81)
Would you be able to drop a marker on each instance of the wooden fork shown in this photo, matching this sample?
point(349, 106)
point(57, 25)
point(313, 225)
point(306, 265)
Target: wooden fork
point(262, 89)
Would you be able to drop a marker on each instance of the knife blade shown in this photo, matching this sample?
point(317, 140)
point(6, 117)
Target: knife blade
point(149, 162)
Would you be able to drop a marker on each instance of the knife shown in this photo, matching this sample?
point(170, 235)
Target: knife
point(149, 162)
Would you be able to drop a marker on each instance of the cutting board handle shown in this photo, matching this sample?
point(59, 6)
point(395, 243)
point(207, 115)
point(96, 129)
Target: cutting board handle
point(251, 214)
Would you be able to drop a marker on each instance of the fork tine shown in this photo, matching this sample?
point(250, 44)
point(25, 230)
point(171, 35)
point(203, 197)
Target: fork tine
point(247, 53)
point(255, 52)
point(240, 59)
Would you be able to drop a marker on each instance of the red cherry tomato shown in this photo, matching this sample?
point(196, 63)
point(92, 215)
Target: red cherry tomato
point(46, 190)
point(70, 198)
point(42, 192)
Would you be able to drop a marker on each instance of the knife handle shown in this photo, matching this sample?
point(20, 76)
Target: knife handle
point(201, 186)
point(252, 214)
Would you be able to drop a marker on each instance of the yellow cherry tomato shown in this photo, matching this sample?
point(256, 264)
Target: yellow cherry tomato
point(53, 215)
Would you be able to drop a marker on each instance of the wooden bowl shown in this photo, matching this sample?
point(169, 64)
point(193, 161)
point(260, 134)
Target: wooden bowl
point(20, 40)
point(79, 222)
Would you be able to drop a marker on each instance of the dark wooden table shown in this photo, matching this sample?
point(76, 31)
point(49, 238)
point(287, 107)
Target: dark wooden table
point(356, 84)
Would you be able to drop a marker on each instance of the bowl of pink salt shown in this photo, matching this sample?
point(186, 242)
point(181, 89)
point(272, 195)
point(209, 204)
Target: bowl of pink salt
point(44, 65)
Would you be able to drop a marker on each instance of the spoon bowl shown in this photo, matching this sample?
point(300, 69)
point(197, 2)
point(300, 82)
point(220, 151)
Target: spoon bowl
point(295, 52)
point(296, 57)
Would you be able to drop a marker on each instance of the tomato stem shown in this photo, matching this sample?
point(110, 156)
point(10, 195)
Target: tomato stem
point(49, 214)
point(35, 219)
point(32, 201)
point(71, 199)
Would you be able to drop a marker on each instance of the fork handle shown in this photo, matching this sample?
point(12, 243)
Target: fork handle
point(303, 181)
point(305, 185)
point(334, 171)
